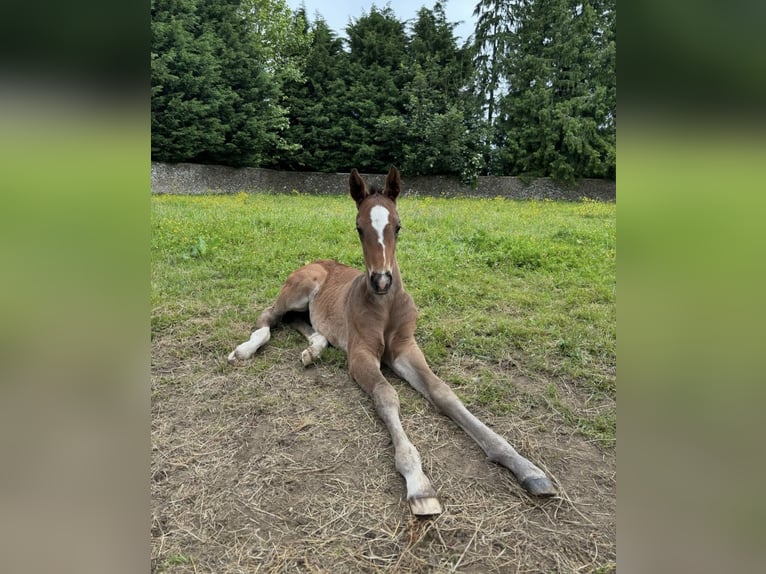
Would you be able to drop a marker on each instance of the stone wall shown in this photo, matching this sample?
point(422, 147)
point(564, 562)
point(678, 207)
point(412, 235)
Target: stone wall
point(194, 179)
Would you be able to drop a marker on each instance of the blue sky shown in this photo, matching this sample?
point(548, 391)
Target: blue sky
point(337, 12)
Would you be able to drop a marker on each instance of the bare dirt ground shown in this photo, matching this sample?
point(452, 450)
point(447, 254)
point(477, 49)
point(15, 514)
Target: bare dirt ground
point(270, 467)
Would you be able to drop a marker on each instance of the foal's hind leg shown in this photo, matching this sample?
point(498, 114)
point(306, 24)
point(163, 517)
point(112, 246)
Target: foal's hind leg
point(258, 338)
point(295, 295)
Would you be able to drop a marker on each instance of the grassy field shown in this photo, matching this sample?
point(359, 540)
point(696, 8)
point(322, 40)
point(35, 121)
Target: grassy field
point(527, 282)
point(267, 466)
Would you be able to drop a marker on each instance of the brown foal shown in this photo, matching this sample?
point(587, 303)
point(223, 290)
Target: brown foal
point(372, 318)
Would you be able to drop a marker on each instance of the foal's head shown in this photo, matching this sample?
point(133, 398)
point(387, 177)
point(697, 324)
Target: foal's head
point(378, 225)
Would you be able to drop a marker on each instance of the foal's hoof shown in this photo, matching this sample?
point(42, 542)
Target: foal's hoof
point(426, 506)
point(539, 486)
point(307, 358)
point(232, 358)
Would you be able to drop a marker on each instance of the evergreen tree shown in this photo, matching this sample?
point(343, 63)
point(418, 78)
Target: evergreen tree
point(389, 99)
point(558, 117)
point(314, 101)
point(605, 78)
point(186, 80)
point(217, 69)
point(495, 23)
point(248, 97)
point(371, 114)
point(437, 111)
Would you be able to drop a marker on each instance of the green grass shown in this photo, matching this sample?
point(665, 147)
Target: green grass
point(495, 280)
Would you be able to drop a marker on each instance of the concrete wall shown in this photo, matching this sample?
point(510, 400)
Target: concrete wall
point(187, 178)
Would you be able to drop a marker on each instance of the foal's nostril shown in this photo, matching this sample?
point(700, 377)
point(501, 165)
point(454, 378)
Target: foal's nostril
point(381, 281)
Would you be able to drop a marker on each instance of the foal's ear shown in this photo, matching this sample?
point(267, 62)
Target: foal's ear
point(357, 187)
point(393, 184)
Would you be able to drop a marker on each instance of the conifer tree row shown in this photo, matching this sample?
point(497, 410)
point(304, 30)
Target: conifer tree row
point(251, 83)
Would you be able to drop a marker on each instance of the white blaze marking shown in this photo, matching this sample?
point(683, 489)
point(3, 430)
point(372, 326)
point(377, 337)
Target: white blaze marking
point(379, 220)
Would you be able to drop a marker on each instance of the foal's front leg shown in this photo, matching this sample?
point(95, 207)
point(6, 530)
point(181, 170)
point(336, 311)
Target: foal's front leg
point(365, 369)
point(411, 365)
point(317, 341)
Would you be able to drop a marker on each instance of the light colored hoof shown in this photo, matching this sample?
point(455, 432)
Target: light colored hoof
point(317, 344)
point(237, 355)
point(307, 358)
point(426, 506)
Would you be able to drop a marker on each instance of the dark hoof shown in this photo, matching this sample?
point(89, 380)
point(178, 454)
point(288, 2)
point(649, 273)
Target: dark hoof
point(539, 486)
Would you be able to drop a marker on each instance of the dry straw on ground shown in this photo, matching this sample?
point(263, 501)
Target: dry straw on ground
point(270, 467)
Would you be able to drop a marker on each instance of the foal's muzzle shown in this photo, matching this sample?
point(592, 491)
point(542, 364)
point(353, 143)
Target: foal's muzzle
point(381, 282)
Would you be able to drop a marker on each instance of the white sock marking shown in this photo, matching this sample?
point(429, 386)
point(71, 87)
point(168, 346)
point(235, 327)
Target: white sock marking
point(317, 344)
point(258, 338)
point(379, 219)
